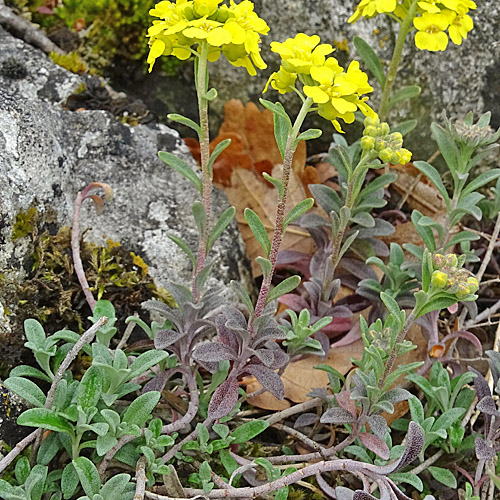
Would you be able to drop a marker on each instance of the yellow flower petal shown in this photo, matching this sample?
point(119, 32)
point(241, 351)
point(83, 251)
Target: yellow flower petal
point(316, 94)
point(156, 51)
point(322, 75)
point(343, 106)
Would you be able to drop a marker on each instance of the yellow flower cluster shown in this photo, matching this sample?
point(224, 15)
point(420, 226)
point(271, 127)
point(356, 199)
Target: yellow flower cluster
point(433, 18)
point(377, 137)
point(232, 30)
point(337, 92)
point(448, 276)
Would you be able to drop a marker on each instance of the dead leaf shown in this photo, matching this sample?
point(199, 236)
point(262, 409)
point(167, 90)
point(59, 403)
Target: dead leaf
point(248, 190)
point(300, 377)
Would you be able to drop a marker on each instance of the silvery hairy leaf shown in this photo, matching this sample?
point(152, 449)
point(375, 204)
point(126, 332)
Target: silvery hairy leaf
point(268, 379)
point(165, 338)
point(483, 450)
point(224, 399)
point(214, 352)
point(306, 419)
point(227, 336)
point(378, 425)
point(338, 416)
point(272, 358)
point(375, 444)
point(488, 406)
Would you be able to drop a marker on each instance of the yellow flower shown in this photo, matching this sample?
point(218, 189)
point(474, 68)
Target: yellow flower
point(431, 31)
point(460, 25)
point(370, 8)
point(301, 53)
point(282, 81)
point(439, 279)
point(233, 30)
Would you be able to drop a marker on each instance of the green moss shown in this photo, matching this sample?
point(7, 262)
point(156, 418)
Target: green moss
point(24, 224)
point(72, 62)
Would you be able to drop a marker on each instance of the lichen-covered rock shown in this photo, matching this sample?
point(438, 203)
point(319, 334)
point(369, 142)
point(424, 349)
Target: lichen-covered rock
point(48, 154)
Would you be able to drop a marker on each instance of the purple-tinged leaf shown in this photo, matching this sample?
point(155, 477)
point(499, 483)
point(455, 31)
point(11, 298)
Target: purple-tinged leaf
point(375, 444)
point(224, 399)
point(156, 384)
point(314, 290)
point(396, 395)
point(399, 494)
point(268, 334)
point(453, 309)
point(344, 400)
point(213, 353)
point(378, 425)
point(323, 339)
point(165, 338)
point(272, 358)
point(306, 419)
point(462, 334)
point(480, 385)
point(340, 492)
point(298, 260)
point(227, 336)
point(361, 495)
point(337, 416)
point(483, 450)
point(494, 365)
point(294, 302)
point(268, 379)
point(235, 318)
point(488, 406)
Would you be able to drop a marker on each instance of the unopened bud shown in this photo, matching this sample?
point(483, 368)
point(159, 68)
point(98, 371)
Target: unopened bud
point(367, 143)
point(438, 261)
point(369, 121)
point(451, 260)
point(463, 291)
point(380, 144)
point(473, 284)
point(439, 279)
point(371, 131)
point(385, 155)
point(384, 128)
point(405, 156)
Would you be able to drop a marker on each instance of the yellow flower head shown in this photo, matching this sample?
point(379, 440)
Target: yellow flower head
point(431, 31)
point(282, 81)
point(300, 54)
point(370, 8)
point(233, 29)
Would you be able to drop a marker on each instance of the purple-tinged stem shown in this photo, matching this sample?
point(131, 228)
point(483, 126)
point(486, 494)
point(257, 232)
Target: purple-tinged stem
point(75, 248)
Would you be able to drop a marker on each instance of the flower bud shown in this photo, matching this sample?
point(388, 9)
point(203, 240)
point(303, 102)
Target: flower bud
point(396, 158)
point(438, 261)
point(451, 260)
point(439, 279)
point(370, 131)
point(384, 128)
point(367, 143)
point(222, 15)
point(369, 121)
point(405, 156)
point(379, 144)
point(463, 291)
point(473, 284)
point(396, 137)
point(385, 155)
point(189, 13)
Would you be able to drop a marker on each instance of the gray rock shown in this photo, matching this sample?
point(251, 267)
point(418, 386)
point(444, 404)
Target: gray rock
point(48, 154)
point(461, 79)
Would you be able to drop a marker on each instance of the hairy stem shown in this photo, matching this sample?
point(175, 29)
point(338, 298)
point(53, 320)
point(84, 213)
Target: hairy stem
point(201, 90)
point(392, 357)
point(12, 455)
point(140, 479)
point(404, 29)
point(280, 209)
point(75, 248)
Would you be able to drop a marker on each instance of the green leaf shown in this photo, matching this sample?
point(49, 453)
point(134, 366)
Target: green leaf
point(326, 197)
point(347, 243)
point(224, 221)
point(26, 389)
point(340, 159)
point(90, 388)
point(88, 475)
point(228, 461)
point(444, 476)
point(146, 361)
point(211, 95)
point(140, 409)
point(297, 211)
point(461, 237)
point(185, 121)
point(286, 286)
point(69, 481)
point(34, 332)
point(276, 183)
point(434, 176)
point(437, 304)
point(282, 128)
point(404, 94)
point(22, 470)
point(203, 275)
point(28, 371)
point(184, 247)
point(312, 133)
point(258, 230)
point(448, 418)
point(182, 167)
point(46, 419)
point(243, 295)
point(217, 151)
point(392, 306)
point(404, 128)
point(371, 60)
point(248, 431)
point(274, 108)
point(446, 145)
point(481, 180)
point(408, 478)
point(265, 265)
point(200, 216)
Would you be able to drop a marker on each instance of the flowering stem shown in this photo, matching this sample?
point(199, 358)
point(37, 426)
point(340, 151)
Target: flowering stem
point(201, 90)
point(396, 59)
point(278, 233)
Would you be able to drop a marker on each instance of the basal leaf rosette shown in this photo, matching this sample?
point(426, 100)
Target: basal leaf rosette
point(338, 93)
point(234, 30)
point(436, 21)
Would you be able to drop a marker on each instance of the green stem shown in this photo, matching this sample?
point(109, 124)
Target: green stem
point(396, 59)
point(280, 209)
point(201, 90)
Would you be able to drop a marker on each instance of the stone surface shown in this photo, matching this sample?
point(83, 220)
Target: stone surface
point(461, 79)
point(48, 154)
